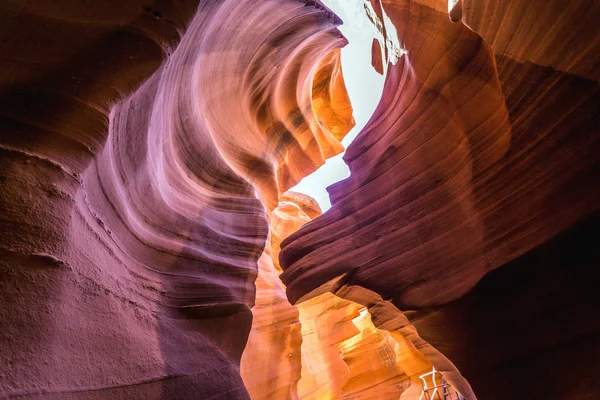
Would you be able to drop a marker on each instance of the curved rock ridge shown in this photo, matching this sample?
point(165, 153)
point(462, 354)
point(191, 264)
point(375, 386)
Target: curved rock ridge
point(480, 153)
point(135, 216)
point(327, 347)
point(413, 171)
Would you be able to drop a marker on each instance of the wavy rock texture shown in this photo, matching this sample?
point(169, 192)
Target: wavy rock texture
point(325, 348)
point(466, 190)
point(132, 220)
point(143, 151)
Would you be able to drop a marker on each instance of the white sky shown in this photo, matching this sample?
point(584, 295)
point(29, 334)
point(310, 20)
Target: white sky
point(364, 86)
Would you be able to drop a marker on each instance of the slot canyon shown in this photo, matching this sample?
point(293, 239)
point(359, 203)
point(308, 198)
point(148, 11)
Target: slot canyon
point(153, 244)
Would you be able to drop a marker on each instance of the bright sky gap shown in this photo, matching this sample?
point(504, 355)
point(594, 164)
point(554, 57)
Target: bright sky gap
point(364, 85)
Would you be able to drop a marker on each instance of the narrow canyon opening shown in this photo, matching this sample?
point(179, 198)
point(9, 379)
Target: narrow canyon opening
point(364, 63)
point(332, 348)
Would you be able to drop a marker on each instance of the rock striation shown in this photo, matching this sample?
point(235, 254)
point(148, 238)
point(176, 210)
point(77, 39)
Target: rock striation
point(139, 157)
point(483, 151)
point(150, 249)
point(324, 348)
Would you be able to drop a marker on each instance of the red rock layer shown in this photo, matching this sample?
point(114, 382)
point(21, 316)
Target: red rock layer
point(133, 217)
point(480, 151)
point(132, 220)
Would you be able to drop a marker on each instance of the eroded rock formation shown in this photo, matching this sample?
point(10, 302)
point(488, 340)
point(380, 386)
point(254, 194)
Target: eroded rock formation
point(483, 150)
point(327, 347)
point(145, 150)
point(133, 220)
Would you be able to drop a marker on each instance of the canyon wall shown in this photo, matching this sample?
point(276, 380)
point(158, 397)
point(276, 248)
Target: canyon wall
point(141, 149)
point(149, 249)
point(471, 205)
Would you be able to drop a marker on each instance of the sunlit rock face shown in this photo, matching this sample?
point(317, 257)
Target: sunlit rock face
point(272, 362)
point(142, 149)
point(471, 202)
point(327, 347)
